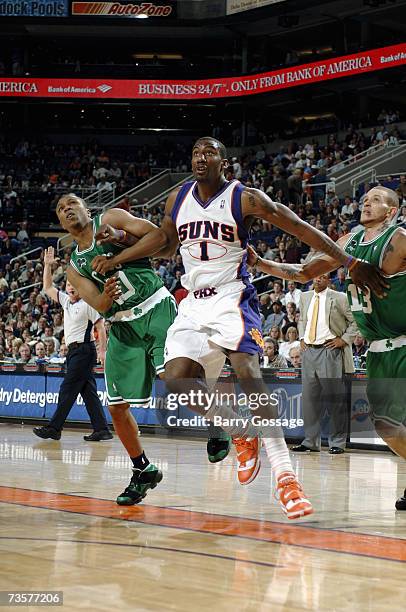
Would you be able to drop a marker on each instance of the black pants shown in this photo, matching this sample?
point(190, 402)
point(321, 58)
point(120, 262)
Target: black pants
point(79, 378)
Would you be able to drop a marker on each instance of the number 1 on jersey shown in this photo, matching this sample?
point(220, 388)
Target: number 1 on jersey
point(204, 256)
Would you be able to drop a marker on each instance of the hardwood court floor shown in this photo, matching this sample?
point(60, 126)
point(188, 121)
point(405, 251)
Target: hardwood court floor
point(199, 541)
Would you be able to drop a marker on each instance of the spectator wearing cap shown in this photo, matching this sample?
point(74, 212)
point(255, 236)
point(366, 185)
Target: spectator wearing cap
point(276, 318)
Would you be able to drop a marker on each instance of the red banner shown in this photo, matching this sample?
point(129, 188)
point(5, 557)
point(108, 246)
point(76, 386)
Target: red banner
point(368, 61)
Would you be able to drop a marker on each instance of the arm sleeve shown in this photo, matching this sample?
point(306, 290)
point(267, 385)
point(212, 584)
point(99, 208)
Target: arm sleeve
point(62, 298)
point(93, 314)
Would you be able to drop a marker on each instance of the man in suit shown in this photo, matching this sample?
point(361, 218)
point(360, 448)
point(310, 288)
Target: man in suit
point(326, 331)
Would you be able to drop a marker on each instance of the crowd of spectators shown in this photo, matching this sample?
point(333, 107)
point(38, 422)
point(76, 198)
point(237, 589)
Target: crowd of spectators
point(31, 327)
point(33, 175)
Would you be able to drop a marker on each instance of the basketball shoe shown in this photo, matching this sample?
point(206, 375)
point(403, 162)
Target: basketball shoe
point(290, 494)
point(248, 458)
point(141, 481)
point(218, 447)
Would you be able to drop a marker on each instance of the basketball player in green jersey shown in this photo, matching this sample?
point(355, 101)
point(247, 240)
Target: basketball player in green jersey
point(381, 321)
point(140, 308)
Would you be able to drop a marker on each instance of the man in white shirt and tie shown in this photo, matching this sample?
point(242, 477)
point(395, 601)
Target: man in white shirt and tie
point(326, 332)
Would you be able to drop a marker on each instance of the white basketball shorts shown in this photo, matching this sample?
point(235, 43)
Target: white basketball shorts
point(212, 319)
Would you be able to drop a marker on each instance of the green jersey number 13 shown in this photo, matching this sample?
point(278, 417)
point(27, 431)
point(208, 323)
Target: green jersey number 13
point(359, 301)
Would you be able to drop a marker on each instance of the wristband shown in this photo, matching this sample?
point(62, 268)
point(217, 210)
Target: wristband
point(352, 265)
point(123, 235)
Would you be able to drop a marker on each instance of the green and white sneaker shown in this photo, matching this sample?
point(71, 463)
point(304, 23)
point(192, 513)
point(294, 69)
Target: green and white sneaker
point(141, 481)
point(218, 447)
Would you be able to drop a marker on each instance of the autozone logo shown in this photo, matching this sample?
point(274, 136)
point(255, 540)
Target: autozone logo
point(144, 9)
point(17, 87)
point(104, 88)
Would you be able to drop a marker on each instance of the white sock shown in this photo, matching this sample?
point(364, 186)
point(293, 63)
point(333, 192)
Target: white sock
point(277, 451)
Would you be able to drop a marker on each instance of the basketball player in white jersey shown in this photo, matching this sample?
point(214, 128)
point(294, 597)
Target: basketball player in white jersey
point(210, 218)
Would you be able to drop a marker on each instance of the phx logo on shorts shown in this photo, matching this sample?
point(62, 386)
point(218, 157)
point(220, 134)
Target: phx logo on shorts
point(257, 337)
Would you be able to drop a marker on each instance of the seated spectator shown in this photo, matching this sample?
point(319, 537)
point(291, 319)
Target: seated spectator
point(15, 348)
point(176, 284)
point(276, 318)
point(275, 333)
point(359, 347)
point(40, 353)
point(23, 237)
point(60, 357)
point(292, 341)
point(50, 351)
point(265, 305)
point(290, 316)
point(58, 324)
point(49, 335)
point(25, 355)
point(293, 294)
point(295, 357)
point(271, 357)
point(177, 266)
point(339, 282)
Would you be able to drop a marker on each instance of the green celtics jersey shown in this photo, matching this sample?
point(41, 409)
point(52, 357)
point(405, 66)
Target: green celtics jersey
point(376, 318)
point(138, 280)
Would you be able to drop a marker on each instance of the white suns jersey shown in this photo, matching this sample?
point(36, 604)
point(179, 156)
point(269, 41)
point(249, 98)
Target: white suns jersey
point(212, 236)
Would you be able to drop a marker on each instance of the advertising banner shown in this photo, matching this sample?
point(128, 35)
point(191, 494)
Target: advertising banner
point(237, 6)
point(23, 395)
point(140, 10)
point(367, 61)
point(34, 8)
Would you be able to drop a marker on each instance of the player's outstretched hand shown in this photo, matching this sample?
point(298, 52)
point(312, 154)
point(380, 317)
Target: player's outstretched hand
point(252, 256)
point(49, 256)
point(112, 288)
point(106, 233)
point(365, 275)
point(102, 264)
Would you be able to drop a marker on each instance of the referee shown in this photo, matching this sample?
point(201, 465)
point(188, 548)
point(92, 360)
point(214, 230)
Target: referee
point(79, 319)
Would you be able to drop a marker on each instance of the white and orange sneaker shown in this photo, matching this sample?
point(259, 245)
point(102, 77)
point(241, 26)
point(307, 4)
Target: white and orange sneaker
point(249, 461)
point(289, 492)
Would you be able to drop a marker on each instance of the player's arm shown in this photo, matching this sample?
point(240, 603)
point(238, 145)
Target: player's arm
point(314, 265)
point(100, 301)
point(394, 257)
point(102, 340)
point(153, 241)
point(50, 290)
point(255, 203)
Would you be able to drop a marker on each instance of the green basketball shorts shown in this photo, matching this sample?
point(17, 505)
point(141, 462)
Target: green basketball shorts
point(386, 389)
point(135, 354)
